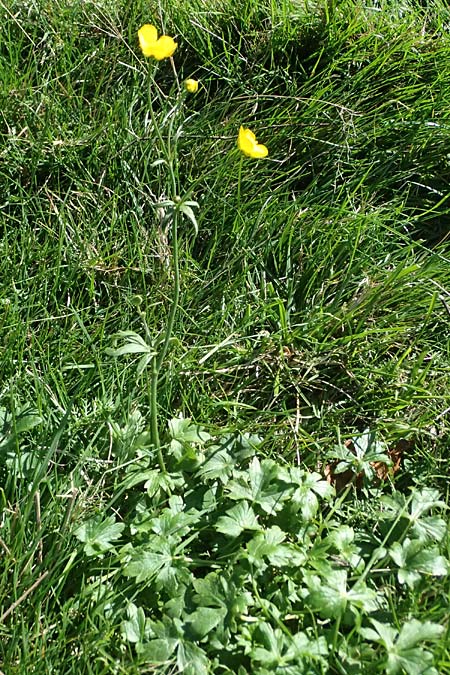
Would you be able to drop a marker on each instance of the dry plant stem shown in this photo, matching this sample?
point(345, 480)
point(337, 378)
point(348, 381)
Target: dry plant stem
point(23, 596)
point(4, 547)
point(37, 506)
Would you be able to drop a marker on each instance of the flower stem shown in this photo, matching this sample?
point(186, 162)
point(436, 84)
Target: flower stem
point(176, 293)
point(157, 360)
point(163, 342)
point(154, 429)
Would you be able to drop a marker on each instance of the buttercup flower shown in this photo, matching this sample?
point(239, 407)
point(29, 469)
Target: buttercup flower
point(191, 85)
point(248, 144)
point(152, 45)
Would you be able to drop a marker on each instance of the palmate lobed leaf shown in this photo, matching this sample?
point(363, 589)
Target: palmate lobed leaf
point(331, 597)
point(157, 561)
point(239, 518)
point(268, 544)
point(429, 528)
point(304, 647)
point(204, 619)
point(403, 653)
point(159, 650)
point(218, 590)
point(277, 650)
point(137, 627)
point(423, 501)
point(191, 659)
point(414, 632)
point(412, 661)
point(413, 561)
point(186, 431)
point(218, 465)
point(260, 485)
point(145, 564)
point(269, 644)
point(98, 534)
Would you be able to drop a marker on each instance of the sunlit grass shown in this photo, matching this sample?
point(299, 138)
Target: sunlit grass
point(314, 300)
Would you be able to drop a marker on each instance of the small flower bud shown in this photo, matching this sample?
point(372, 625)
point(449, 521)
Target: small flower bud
point(191, 85)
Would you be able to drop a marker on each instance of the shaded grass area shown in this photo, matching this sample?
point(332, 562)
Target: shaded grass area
point(314, 298)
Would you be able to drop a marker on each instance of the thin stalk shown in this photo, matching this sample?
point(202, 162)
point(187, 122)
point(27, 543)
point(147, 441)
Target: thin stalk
point(154, 429)
point(158, 359)
point(176, 292)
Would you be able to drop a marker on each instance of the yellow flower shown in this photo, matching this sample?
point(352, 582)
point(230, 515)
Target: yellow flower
point(248, 144)
point(152, 45)
point(191, 85)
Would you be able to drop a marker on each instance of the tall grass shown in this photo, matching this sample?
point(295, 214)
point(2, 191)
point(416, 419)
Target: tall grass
point(314, 300)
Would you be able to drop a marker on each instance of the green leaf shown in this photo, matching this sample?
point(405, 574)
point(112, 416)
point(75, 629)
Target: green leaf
point(303, 647)
point(157, 651)
point(382, 633)
point(413, 560)
point(264, 544)
point(217, 590)
point(342, 539)
point(306, 487)
point(136, 628)
point(26, 419)
point(185, 431)
point(273, 641)
point(134, 344)
point(218, 465)
point(260, 485)
point(411, 661)
point(174, 523)
point(403, 654)
point(186, 209)
point(204, 619)
point(429, 528)
point(424, 500)
point(330, 597)
point(157, 561)
point(239, 518)
point(365, 449)
point(268, 544)
point(12, 424)
point(147, 563)
point(415, 632)
point(98, 534)
point(191, 659)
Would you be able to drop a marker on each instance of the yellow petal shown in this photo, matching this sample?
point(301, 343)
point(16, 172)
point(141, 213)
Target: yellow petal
point(148, 35)
point(259, 150)
point(191, 85)
point(248, 144)
point(164, 47)
point(250, 135)
point(246, 140)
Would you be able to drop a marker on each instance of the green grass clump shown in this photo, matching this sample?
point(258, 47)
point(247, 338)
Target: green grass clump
point(193, 339)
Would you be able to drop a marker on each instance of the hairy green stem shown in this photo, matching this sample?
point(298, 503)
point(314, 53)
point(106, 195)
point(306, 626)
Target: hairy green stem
point(176, 293)
point(158, 359)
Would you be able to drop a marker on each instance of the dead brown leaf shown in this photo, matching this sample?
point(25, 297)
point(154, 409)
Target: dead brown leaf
point(382, 470)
